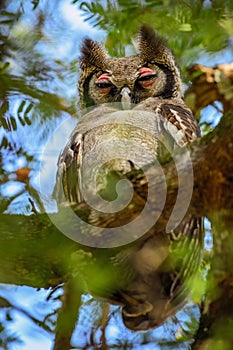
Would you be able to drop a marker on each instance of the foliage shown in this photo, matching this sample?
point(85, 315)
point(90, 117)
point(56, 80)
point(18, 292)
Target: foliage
point(33, 93)
point(199, 27)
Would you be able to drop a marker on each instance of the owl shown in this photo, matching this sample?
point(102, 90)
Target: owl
point(157, 276)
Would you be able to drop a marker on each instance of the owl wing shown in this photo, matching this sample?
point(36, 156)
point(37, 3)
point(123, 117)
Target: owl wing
point(175, 123)
point(69, 181)
point(68, 178)
point(179, 122)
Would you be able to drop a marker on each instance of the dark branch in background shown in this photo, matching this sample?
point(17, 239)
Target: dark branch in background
point(210, 85)
point(68, 314)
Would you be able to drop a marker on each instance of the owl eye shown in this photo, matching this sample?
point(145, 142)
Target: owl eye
point(103, 83)
point(146, 77)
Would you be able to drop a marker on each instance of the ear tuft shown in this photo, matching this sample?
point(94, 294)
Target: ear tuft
point(151, 46)
point(154, 50)
point(92, 54)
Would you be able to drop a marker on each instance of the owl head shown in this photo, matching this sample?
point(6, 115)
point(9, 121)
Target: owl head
point(151, 73)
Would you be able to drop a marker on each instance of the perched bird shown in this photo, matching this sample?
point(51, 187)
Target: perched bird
point(158, 268)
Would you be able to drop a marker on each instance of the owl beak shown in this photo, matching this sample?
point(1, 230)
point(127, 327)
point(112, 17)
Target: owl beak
point(126, 98)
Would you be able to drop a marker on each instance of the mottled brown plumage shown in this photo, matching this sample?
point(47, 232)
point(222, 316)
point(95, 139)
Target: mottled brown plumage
point(125, 72)
point(156, 270)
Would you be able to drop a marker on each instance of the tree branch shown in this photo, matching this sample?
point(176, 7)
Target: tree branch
point(210, 84)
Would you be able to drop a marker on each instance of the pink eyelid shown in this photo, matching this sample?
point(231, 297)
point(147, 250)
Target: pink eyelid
point(145, 70)
point(103, 76)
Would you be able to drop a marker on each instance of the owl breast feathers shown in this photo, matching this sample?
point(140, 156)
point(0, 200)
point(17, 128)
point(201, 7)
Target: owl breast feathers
point(155, 284)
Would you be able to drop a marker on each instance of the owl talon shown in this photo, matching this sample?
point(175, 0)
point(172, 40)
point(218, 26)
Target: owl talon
point(139, 310)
